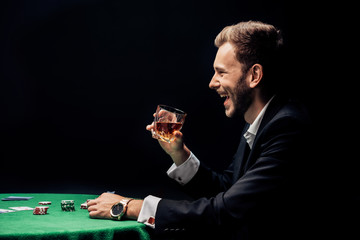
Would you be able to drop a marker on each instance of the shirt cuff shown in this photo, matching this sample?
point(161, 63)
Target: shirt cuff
point(148, 211)
point(186, 171)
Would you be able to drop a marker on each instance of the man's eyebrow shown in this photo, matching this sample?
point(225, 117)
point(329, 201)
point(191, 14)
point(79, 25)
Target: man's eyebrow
point(219, 69)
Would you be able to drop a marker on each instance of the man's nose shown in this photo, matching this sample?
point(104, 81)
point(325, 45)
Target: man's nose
point(214, 83)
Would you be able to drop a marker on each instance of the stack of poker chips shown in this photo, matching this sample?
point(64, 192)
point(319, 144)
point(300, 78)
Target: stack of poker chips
point(83, 206)
point(67, 205)
point(41, 210)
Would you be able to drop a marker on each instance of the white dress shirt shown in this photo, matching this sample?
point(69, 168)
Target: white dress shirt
point(186, 171)
point(254, 127)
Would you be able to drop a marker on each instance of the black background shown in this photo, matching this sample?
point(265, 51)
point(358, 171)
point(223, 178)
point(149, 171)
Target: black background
point(80, 80)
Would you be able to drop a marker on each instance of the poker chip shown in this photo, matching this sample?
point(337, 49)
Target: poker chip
point(41, 210)
point(67, 205)
point(83, 206)
point(45, 203)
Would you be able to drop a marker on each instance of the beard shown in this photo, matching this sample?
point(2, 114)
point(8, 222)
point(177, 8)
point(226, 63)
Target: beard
point(243, 97)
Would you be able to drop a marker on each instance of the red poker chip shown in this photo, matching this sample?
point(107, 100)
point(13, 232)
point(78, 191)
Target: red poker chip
point(45, 203)
point(83, 206)
point(40, 210)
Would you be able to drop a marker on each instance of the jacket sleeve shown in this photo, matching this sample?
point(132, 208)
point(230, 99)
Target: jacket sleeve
point(207, 183)
point(263, 192)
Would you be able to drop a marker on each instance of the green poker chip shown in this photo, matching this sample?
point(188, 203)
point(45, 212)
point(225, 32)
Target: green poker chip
point(67, 205)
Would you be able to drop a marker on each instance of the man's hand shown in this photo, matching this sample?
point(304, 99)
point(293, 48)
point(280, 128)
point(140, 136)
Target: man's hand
point(176, 149)
point(100, 207)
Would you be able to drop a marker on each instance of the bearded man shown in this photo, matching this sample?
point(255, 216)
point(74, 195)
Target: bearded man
point(261, 194)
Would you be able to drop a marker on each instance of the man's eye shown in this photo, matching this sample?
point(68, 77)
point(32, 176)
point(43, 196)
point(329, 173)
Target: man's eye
point(220, 72)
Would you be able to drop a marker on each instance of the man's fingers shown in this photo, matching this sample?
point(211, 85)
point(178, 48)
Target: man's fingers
point(100, 214)
point(94, 214)
point(151, 129)
point(178, 134)
point(178, 137)
point(91, 208)
point(150, 126)
point(91, 202)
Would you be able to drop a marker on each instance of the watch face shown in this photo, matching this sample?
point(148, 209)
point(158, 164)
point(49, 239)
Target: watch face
point(117, 209)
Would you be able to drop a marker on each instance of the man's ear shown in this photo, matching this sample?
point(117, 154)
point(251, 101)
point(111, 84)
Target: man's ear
point(256, 72)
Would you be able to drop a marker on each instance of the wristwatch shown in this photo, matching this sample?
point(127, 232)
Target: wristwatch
point(119, 209)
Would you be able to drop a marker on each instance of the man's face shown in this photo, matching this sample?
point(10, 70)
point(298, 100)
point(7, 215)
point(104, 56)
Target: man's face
point(230, 82)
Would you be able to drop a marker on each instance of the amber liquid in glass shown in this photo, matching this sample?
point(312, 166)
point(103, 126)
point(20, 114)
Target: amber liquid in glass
point(165, 130)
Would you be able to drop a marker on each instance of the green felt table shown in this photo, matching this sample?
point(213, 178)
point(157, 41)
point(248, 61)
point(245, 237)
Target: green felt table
point(62, 225)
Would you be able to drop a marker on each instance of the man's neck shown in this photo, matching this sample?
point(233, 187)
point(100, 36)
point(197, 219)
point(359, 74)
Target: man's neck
point(254, 109)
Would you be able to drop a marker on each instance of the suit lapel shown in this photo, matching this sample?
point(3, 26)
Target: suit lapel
point(241, 156)
point(272, 109)
point(275, 105)
point(243, 153)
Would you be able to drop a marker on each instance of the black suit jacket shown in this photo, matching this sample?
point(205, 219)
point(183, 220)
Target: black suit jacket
point(261, 195)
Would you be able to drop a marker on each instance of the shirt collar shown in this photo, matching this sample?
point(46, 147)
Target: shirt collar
point(250, 134)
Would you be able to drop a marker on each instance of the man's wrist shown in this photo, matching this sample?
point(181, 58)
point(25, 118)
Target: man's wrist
point(133, 209)
point(181, 156)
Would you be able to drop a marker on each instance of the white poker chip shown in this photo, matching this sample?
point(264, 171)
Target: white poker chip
point(45, 203)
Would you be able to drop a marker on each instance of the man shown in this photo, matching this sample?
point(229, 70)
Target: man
point(259, 194)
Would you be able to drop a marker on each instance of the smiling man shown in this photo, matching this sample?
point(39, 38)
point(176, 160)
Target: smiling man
point(230, 81)
point(260, 194)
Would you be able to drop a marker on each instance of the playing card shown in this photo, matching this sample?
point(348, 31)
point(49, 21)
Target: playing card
point(21, 208)
point(6, 210)
point(15, 198)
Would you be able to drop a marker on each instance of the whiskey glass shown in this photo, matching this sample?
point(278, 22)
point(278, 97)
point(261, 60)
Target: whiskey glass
point(167, 121)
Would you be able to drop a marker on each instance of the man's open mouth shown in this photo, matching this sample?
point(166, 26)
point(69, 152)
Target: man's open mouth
point(226, 98)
